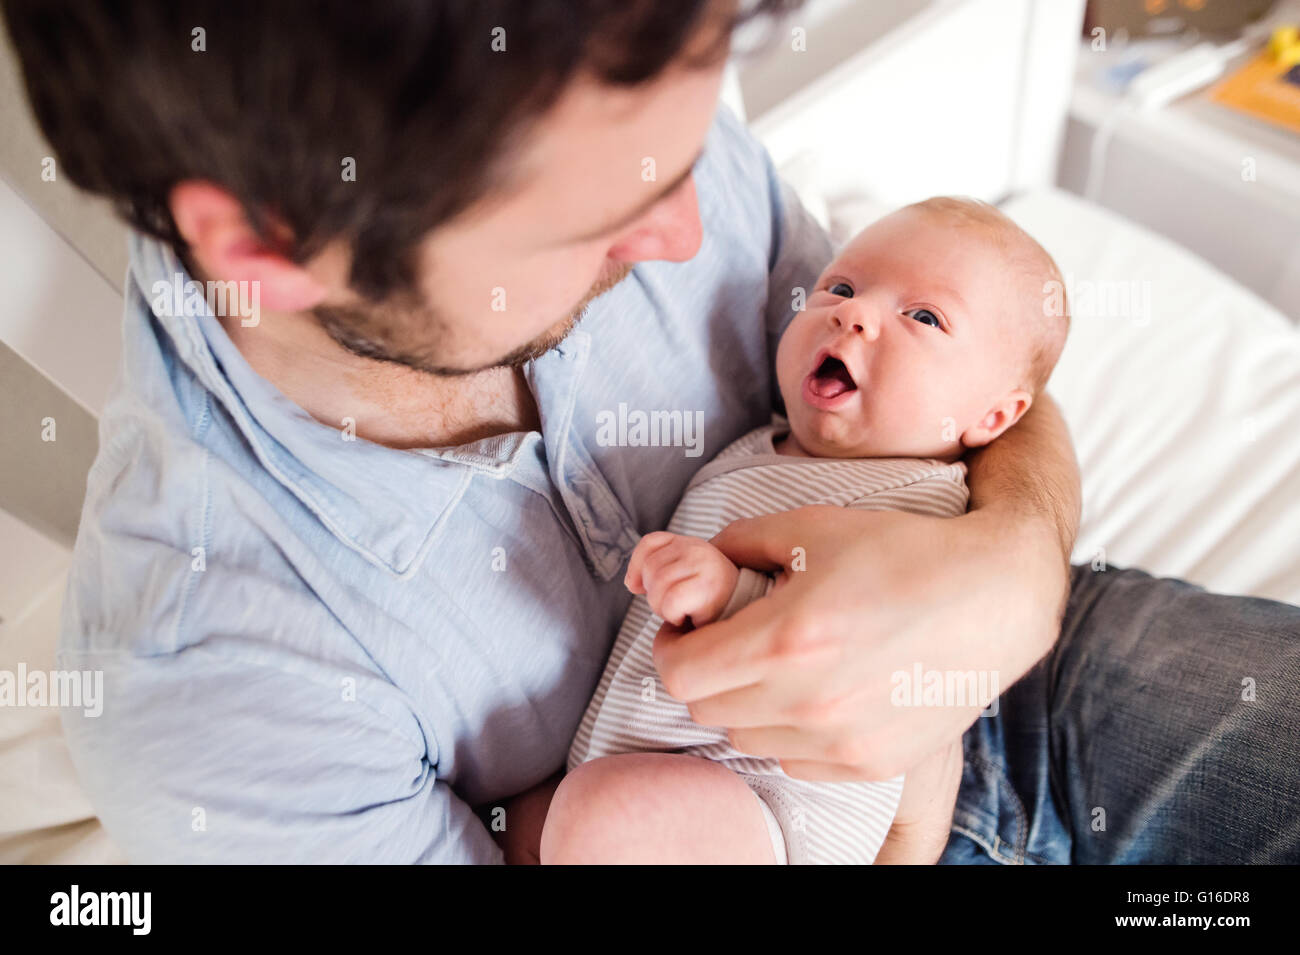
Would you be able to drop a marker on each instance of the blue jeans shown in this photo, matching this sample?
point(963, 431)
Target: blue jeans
point(1163, 727)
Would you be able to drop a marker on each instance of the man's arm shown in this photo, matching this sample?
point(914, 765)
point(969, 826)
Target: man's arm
point(213, 760)
point(1030, 475)
point(231, 745)
point(520, 838)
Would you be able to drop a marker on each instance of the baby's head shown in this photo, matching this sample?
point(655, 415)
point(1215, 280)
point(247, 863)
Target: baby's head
point(930, 333)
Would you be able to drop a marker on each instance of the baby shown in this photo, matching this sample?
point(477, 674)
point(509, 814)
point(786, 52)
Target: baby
point(929, 334)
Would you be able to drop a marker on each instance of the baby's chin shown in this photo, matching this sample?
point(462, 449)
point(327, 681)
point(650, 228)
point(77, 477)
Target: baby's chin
point(827, 436)
point(834, 436)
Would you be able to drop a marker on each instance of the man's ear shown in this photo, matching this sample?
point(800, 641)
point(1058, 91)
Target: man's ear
point(225, 247)
point(1005, 412)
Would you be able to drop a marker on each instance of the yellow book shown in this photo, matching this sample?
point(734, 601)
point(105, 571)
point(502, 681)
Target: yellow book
point(1268, 87)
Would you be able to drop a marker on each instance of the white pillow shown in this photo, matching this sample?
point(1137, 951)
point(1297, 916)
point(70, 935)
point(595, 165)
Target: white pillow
point(1184, 406)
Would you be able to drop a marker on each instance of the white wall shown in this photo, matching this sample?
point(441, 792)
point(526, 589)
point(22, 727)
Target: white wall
point(60, 343)
point(950, 96)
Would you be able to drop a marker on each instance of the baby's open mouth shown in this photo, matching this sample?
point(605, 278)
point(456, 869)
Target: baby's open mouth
point(831, 378)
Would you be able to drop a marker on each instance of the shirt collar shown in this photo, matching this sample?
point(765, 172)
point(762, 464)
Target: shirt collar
point(386, 504)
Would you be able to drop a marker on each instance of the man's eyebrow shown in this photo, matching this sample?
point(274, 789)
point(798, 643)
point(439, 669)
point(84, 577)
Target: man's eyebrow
point(643, 207)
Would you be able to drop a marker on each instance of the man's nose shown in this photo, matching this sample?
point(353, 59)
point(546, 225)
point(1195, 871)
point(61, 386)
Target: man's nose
point(859, 317)
point(670, 231)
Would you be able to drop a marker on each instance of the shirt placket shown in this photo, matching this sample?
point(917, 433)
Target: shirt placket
point(603, 525)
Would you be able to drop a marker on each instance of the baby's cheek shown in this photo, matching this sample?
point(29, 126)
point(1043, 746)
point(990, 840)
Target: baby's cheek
point(785, 366)
point(919, 417)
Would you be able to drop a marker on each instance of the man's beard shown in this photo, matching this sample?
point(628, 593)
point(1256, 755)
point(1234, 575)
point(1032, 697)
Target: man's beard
point(367, 330)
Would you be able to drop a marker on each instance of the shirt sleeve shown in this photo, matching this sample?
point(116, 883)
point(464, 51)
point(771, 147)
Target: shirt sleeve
point(750, 586)
point(942, 494)
point(241, 747)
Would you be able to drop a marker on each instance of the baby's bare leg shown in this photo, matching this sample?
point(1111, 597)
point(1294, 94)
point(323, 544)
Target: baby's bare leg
point(924, 818)
point(654, 808)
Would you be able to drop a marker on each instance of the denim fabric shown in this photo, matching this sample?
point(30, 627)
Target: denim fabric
point(1137, 740)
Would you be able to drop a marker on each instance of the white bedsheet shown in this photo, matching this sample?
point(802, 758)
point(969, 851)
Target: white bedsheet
point(1186, 419)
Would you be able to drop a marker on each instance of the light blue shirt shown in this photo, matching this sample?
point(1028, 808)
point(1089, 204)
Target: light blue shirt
point(320, 649)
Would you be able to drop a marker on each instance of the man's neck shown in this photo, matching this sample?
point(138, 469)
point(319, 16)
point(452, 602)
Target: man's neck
point(386, 403)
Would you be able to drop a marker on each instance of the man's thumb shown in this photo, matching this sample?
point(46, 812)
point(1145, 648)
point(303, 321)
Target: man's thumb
point(762, 543)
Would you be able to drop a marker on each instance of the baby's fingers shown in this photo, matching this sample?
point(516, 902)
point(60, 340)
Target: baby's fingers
point(688, 597)
point(664, 569)
point(634, 579)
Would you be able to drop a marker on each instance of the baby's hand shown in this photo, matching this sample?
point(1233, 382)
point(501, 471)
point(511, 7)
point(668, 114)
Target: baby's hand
point(681, 577)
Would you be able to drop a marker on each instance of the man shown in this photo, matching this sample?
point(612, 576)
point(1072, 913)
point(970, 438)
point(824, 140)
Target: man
point(351, 564)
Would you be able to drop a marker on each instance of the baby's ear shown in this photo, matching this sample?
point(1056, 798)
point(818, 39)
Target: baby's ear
point(1007, 411)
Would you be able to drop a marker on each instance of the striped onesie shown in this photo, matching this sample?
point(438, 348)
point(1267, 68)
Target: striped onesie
point(810, 822)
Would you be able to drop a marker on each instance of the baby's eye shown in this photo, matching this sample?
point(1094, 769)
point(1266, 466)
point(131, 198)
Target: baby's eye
point(925, 317)
point(842, 289)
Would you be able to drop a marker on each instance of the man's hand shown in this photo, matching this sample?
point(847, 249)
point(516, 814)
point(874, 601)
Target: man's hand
point(681, 577)
point(525, 817)
point(807, 674)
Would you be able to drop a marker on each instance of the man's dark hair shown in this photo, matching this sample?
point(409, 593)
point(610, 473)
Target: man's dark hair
point(281, 93)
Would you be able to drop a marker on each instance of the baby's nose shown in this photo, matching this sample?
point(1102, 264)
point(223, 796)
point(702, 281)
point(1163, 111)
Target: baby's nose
point(859, 321)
